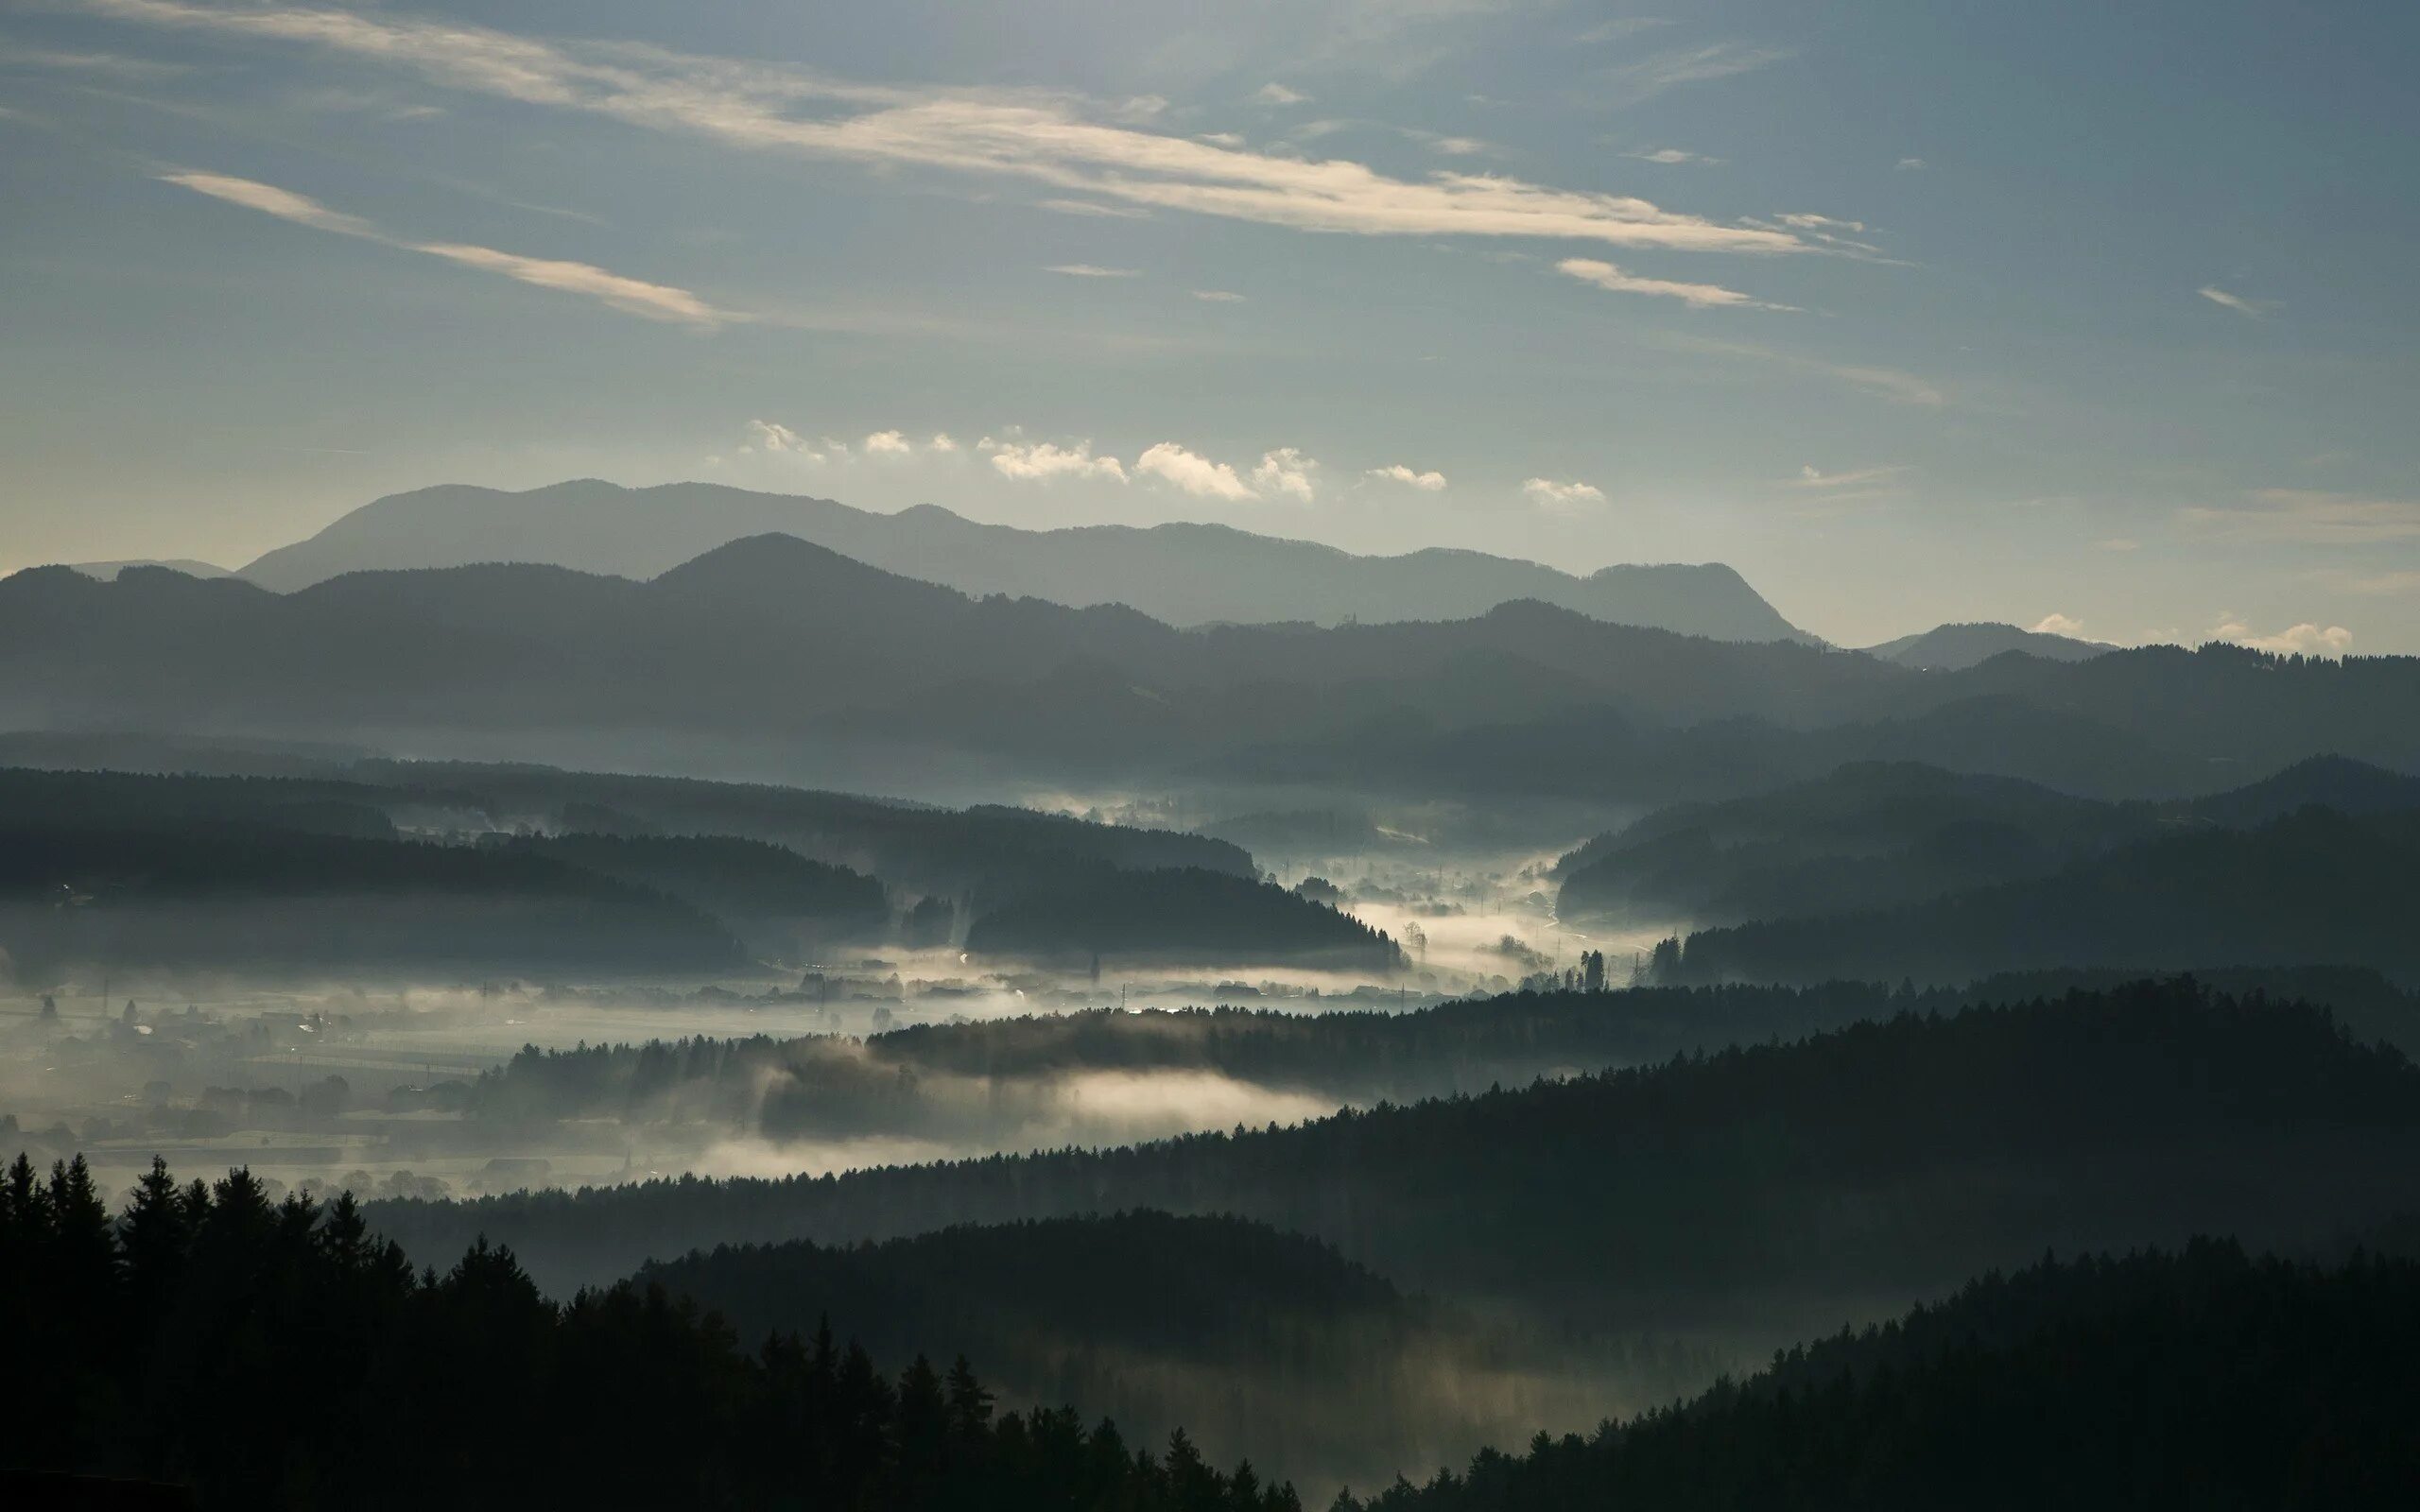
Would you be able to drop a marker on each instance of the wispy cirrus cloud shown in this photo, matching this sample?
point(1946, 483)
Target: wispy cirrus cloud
point(1613, 280)
point(652, 302)
point(1810, 477)
point(2307, 517)
point(1062, 143)
point(1092, 270)
point(1098, 212)
point(2238, 303)
point(1653, 75)
point(95, 65)
point(1674, 157)
point(1882, 382)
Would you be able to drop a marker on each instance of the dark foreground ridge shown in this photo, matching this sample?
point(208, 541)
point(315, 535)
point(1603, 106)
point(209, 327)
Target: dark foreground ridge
point(2200, 1379)
point(280, 1356)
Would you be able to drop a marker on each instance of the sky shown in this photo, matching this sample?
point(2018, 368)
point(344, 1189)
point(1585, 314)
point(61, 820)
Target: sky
point(2098, 319)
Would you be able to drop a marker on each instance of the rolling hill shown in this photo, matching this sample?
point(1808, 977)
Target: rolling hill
point(1956, 648)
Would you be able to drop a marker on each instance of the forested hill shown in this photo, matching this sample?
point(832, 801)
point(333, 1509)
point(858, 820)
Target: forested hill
point(2200, 1378)
point(1747, 1177)
point(1878, 834)
point(1180, 917)
point(1258, 1343)
point(275, 904)
point(260, 1354)
point(2314, 887)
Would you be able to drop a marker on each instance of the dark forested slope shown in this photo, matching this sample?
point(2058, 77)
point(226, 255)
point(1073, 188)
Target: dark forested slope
point(280, 1356)
point(2316, 886)
point(2200, 1378)
point(1904, 1153)
point(1876, 834)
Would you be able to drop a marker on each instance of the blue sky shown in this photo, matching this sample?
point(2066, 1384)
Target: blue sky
point(2098, 316)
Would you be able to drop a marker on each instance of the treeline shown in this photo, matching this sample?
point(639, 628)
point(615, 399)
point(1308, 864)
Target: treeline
point(282, 1355)
point(531, 870)
point(2201, 1378)
point(911, 1080)
point(1177, 916)
point(267, 900)
point(1908, 1153)
point(1258, 1342)
point(2315, 886)
point(778, 901)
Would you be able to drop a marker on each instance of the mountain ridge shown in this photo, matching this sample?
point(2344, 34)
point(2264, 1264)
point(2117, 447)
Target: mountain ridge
point(1186, 573)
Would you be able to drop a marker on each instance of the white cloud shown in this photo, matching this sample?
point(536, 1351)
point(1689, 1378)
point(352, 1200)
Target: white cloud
point(1807, 220)
point(271, 200)
point(653, 302)
point(889, 443)
point(1562, 498)
point(1043, 138)
point(942, 443)
point(2307, 639)
point(769, 437)
point(1696, 296)
point(2060, 624)
point(1045, 461)
point(1911, 164)
point(1276, 94)
point(1457, 146)
point(1221, 139)
point(2306, 517)
point(1218, 296)
point(1194, 474)
point(2234, 302)
point(1397, 473)
point(1285, 470)
point(2118, 543)
point(1093, 270)
point(1672, 157)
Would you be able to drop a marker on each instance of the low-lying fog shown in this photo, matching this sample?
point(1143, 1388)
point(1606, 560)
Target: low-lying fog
point(378, 1086)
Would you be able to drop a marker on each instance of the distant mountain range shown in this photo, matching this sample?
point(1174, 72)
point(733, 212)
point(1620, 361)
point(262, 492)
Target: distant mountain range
point(775, 644)
point(107, 571)
point(1180, 573)
point(1956, 648)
